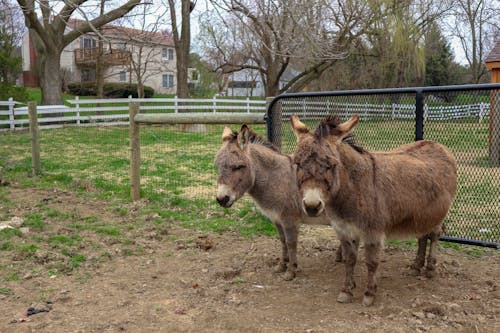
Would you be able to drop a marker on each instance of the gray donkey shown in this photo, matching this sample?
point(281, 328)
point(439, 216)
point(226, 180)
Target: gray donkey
point(248, 164)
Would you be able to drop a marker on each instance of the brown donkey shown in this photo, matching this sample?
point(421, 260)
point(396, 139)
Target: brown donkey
point(248, 164)
point(373, 195)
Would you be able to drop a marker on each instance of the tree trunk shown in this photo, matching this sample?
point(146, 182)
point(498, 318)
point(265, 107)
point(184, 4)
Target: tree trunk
point(51, 73)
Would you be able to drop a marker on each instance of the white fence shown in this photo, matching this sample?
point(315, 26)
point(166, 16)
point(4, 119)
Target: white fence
point(308, 108)
point(110, 112)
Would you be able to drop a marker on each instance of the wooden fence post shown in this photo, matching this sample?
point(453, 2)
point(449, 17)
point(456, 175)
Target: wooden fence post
point(494, 132)
point(135, 154)
point(35, 143)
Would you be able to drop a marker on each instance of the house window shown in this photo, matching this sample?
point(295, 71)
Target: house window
point(123, 76)
point(86, 42)
point(194, 75)
point(167, 53)
point(88, 75)
point(121, 46)
point(168, 81)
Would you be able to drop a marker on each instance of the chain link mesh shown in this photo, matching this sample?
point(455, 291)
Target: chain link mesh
point(461, 120)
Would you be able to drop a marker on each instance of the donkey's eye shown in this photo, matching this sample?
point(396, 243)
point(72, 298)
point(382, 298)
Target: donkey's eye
point(237, 167)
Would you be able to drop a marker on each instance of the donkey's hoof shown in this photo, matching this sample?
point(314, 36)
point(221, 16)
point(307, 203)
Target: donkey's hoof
point(344, 297)
point(414, 271)
point(289, 276)
point(368, 300)
point(281, 268)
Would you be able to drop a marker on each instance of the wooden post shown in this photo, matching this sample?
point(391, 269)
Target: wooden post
point(135, 154)
point(35, 142)
point(494, 139)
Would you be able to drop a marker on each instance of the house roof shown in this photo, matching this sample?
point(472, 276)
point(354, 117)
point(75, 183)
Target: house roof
point(494, 54)
point(124, 33)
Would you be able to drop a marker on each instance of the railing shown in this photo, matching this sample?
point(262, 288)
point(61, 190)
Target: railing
point(10, 104)
point(114, 112)
point(88, 56)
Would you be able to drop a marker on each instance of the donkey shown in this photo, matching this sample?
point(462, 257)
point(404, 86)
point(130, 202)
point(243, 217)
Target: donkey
point(374, 195)
point(248, 164)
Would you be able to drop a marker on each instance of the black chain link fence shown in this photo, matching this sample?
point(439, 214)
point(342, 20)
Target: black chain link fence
point(464, 118)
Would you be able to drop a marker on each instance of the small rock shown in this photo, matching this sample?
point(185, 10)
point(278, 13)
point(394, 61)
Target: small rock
point(430, 315)
point(419, 314)
point(24, 230)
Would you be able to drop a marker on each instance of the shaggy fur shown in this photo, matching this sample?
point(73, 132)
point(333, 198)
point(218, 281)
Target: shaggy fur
point(248, 164)
point(373, 195)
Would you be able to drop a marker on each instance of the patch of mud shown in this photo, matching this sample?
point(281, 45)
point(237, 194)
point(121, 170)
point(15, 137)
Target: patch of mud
point(229, 286)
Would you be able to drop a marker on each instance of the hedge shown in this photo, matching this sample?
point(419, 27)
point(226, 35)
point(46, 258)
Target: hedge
point(111, 90)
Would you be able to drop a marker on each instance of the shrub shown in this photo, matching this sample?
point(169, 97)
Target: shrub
point(111, 90)
point(19, 94)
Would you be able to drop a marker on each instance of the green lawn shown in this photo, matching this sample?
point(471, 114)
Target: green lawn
point(178, 177)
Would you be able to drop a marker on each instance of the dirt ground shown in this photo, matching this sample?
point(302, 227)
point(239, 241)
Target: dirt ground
point(185, 281)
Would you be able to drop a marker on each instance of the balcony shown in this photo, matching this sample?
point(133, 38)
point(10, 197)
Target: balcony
point(113, 57)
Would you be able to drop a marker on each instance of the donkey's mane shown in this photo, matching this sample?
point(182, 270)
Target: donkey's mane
point(328, 127)
point(258, 140)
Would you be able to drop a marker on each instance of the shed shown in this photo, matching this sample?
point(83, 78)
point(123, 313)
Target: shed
point(493, 64)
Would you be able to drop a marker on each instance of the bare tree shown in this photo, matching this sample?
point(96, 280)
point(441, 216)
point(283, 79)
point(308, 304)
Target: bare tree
point(50, 36)
point(269, 35)
point(477, 26)
point(182, 42)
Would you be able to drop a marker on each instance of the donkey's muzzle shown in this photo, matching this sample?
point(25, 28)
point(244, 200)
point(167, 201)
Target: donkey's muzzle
point(224, 201)
point(315, 210)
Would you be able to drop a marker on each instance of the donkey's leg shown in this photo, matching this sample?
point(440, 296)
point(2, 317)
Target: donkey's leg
point(350, 255)
point(372, 255)
point(338, 254)
point(430, 268)
point(291, 232)
point(284, 251)
point(420, 259)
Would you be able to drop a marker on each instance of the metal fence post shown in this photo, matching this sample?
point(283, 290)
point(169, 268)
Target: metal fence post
point(274, 122)
point(35, 142)
point(419, 115)
point(135, 154)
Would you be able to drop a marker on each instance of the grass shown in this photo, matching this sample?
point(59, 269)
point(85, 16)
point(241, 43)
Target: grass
point(178, 176)
point(178, 187)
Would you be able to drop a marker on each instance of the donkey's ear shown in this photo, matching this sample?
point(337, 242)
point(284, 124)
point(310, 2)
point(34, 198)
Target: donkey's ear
point(244, 137)
point(344, 129)
point(227, 134)
point(299, 128)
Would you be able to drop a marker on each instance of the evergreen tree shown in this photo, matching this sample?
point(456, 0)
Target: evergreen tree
point(438, 58)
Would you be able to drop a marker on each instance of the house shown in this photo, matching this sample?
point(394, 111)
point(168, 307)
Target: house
point(248, 82)
point(127, 54)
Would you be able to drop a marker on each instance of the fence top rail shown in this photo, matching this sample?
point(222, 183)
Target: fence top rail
point(166, 100)
point(200, 118)
point(3, 103)
point(385, 91)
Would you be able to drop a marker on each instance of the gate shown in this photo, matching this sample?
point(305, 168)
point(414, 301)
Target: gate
point(464, 118)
